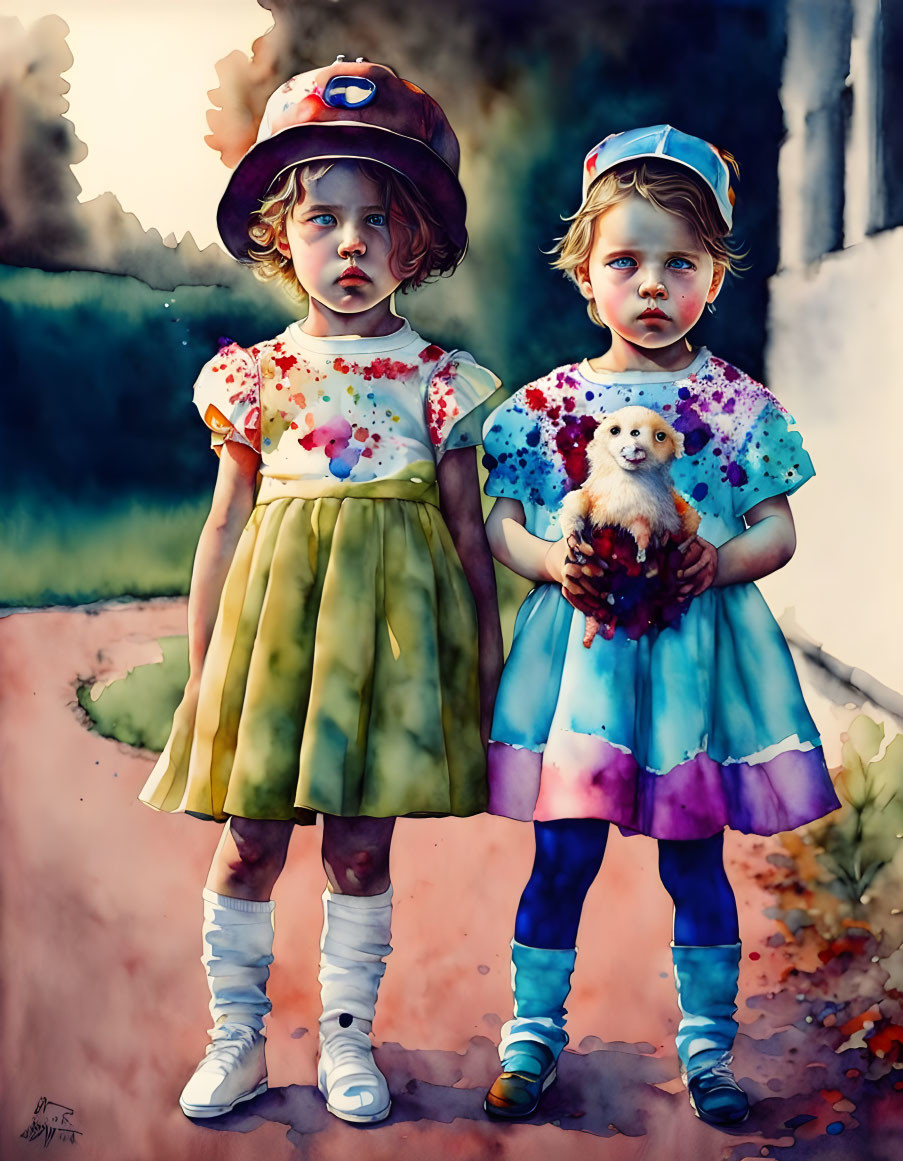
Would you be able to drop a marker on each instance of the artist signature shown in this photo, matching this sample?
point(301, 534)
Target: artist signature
point(50, 1120)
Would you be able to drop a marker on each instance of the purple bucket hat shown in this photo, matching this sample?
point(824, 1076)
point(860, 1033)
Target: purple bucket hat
point(668, 144)
point(349, 109)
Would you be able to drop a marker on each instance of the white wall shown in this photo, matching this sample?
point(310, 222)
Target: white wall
point(835, 359)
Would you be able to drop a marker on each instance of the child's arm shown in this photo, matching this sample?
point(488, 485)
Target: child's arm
point(766, 544)
point(233, 499)
point(459, 498)
point(546, 562)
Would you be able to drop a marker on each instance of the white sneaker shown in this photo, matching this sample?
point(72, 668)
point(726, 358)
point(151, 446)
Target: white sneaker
point(354, 1088)
point(233, 1070)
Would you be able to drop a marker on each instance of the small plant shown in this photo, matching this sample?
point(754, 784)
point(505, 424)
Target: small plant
point(860, 843)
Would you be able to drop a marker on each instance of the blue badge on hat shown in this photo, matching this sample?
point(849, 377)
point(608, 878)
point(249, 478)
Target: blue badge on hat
point(349, 92)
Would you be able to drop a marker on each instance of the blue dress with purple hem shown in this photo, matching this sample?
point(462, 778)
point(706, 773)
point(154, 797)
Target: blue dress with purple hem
point(690, 728)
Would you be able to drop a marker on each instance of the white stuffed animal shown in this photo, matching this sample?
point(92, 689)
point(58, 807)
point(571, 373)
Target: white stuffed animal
point(629, 482)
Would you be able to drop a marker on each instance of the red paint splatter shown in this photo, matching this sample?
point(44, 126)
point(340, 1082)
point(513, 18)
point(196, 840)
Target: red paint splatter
point(536, 401)
point(445, 375)
point(388, 369)
point(252, 428)
point(431, 354)
point(849, 944)
point(285, 363)
point(571, 440)
point(754, 955)
point(341, 366)
point(882, 1043)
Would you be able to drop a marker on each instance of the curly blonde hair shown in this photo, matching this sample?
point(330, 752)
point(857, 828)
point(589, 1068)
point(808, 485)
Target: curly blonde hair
point(420, 245)
point(671, 188)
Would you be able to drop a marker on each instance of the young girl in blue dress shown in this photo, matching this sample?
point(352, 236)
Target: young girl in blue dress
point(682, 730)
point(343, 632)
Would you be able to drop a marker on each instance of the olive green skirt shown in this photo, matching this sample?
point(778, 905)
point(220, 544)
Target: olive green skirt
point(341, 676)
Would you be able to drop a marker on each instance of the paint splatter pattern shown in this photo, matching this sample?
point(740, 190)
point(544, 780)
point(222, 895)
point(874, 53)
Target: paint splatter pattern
point(681, 731)
point(739, 445)
point(360, 415)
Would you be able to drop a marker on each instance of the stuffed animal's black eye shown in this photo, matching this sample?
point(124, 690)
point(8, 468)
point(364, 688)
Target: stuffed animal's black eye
point(614, 430)
point(661, 436)
point(636, 433)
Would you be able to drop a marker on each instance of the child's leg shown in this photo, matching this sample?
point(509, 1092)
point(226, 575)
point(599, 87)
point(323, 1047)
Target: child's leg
point(357, 920)
point(705, 911)
point(237, 953)
point(706, 952)
point(356, 854)
point(568, 856)
point(249, 858)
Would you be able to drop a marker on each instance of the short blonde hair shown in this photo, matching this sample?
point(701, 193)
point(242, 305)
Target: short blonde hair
point(420, 249)
point(671, 188)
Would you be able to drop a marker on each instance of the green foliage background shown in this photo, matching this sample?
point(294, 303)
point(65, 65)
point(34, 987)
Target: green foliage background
point(104, 465)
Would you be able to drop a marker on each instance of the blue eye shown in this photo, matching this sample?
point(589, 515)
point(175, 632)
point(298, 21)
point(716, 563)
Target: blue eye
point(376, 220)
point(622, 263)
point(681, 264)
point(323, 219)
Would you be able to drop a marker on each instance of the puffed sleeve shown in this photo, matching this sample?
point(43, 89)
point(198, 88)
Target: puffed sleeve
point(227, 394)
point(459, 396)
point(517, 459)
point(770, 459)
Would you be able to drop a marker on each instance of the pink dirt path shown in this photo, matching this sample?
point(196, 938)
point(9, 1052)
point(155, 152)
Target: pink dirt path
point(104, 1004)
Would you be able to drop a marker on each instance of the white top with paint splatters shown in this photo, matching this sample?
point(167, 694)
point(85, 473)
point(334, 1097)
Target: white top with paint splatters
point(344, 408)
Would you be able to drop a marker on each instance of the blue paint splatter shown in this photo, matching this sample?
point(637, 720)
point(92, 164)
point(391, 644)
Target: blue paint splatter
point(799, 1121)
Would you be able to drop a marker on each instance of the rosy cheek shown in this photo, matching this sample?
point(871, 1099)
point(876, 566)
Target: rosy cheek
point(687, 308)
point(608, 302)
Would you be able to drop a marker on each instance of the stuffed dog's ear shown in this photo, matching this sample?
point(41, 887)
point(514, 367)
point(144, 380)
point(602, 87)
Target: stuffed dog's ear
point(596, 450)
point(678, 441)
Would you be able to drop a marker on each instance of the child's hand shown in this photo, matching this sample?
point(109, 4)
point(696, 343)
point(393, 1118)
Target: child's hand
point(573, 564)
point(699, 567)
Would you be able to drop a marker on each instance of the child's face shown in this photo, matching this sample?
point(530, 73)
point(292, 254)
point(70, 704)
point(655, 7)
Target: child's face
point(648, 273)
point(338, 240)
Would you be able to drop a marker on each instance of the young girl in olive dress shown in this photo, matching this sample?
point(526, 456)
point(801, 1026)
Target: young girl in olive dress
point(343, 631)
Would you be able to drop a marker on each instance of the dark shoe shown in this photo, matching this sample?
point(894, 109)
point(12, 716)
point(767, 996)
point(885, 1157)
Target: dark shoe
point(515, 1095)
point(715, 1096)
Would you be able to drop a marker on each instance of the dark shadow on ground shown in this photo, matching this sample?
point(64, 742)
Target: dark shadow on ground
point(603, 1090)
point(812, 1106)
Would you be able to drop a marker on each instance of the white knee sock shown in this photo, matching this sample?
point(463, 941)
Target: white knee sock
point(353, 946)
point(237, 953)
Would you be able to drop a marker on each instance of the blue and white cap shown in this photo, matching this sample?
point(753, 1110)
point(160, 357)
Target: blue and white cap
point(668, 144)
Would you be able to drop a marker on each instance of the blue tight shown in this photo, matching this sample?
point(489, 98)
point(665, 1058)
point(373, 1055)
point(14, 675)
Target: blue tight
point(569, 854)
